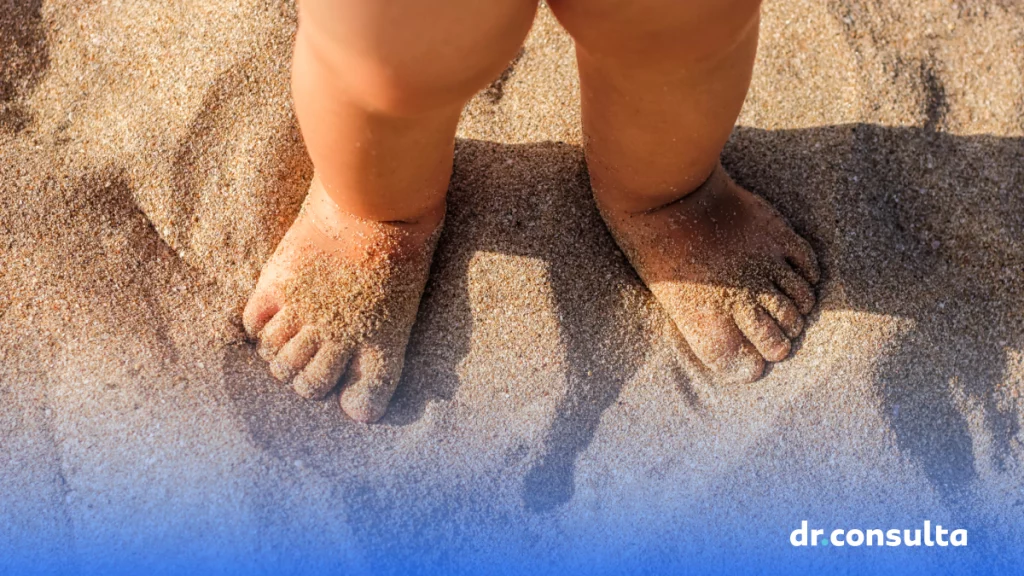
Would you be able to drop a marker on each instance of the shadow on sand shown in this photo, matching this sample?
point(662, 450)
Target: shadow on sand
point(926, 227)
point(24, 57)
point(910, 223)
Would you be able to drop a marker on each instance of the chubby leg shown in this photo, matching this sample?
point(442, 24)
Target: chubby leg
point(378, 86)
point(662, 83)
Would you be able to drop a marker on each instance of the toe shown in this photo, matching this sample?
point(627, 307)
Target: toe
point(783, 310)
point(260, 308)
point(802, 257)
point(322, 373)
point(762, 331)
point(796, 287)
point(718, 342)
point(277, 332)
point(371, 381)
point(294, 355)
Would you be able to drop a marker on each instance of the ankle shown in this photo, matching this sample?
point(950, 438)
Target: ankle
point(334, 220)
point(619, 200)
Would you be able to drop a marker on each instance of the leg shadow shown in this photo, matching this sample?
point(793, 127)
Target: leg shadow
point(929, 227)
point(534, 201)
point(909, 223)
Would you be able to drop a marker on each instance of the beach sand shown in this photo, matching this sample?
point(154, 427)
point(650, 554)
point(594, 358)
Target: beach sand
point(150, 162)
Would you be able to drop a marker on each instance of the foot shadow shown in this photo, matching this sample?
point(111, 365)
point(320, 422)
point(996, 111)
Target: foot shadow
point(928, 227)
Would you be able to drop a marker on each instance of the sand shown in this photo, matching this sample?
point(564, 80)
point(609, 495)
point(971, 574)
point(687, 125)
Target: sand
point(548, 414)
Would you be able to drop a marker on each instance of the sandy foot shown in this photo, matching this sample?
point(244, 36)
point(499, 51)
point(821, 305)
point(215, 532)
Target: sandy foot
point(731, 273)
point(339, 298)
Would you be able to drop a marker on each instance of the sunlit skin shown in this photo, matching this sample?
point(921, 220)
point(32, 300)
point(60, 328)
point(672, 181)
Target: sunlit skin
point(379, 86)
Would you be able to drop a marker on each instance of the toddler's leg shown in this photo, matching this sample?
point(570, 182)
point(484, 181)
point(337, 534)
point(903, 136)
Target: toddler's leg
point(378, 86)
point(662, 83)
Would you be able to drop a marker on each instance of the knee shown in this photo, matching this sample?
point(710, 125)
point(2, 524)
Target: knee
point(614, 27)
point(401, 58)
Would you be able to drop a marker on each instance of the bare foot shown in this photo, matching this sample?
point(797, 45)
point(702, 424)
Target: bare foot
point(731, 273)
point(339, 296)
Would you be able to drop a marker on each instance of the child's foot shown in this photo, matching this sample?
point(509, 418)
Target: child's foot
point(342, 292)
point(731, 273)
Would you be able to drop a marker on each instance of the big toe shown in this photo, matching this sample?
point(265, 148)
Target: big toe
point(371, 381)
point(261, 307)
point(718, 342)
point(278, 332)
